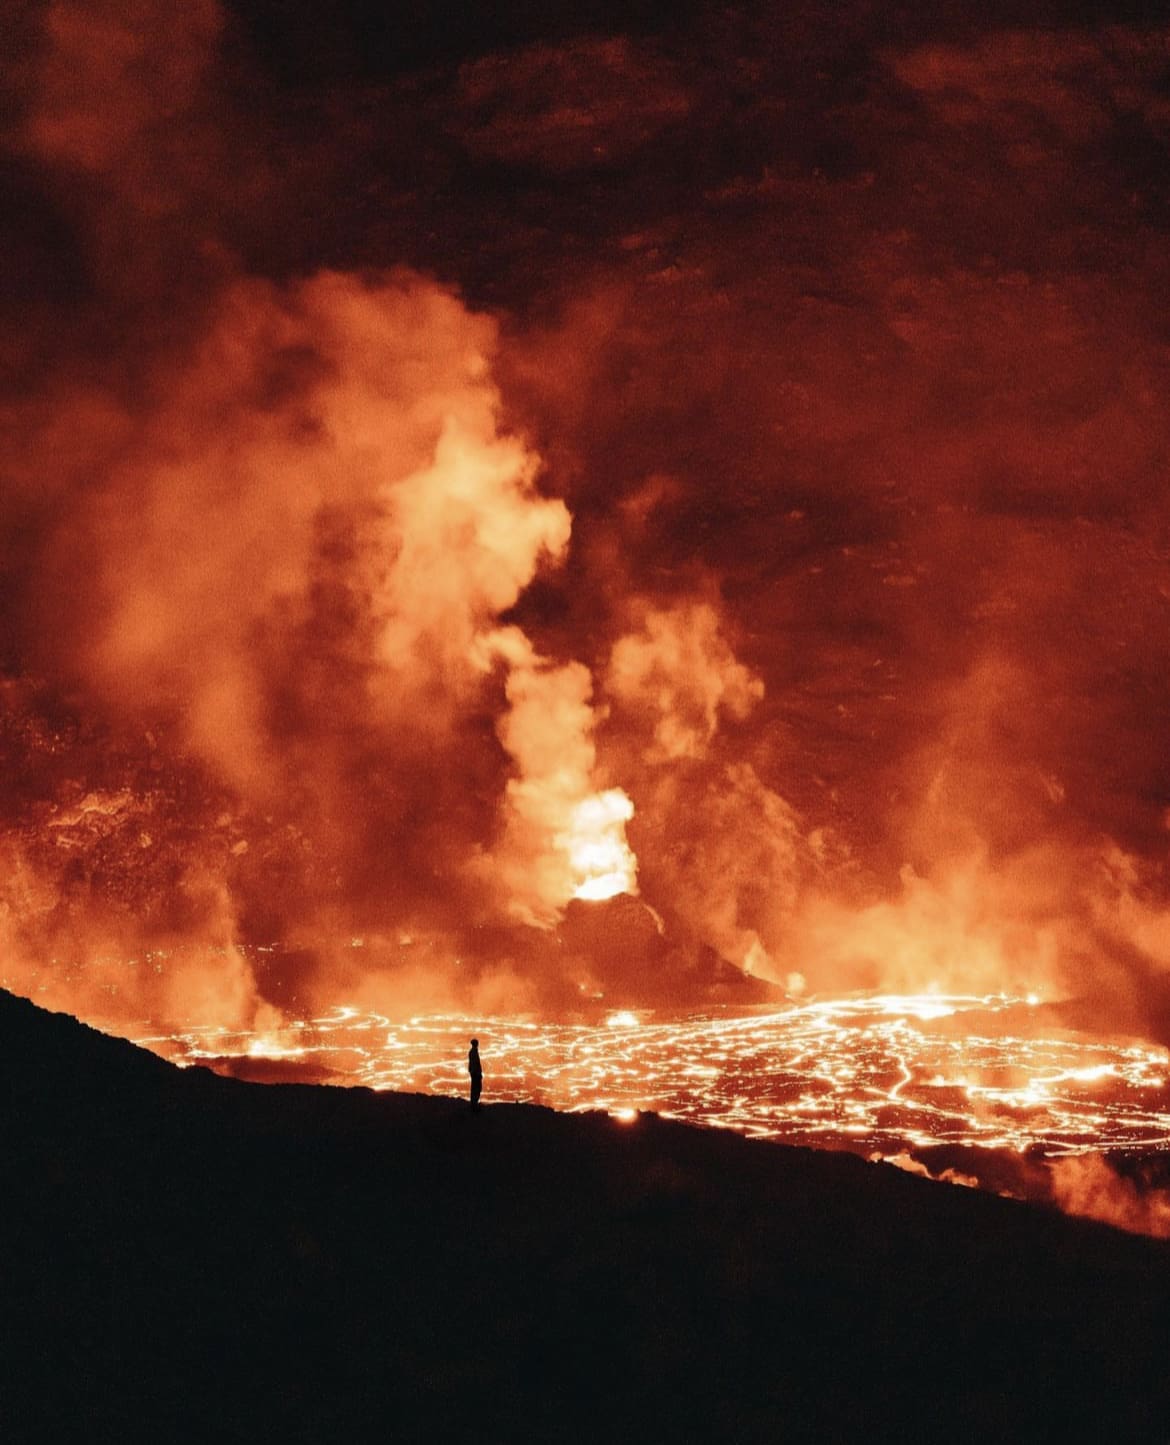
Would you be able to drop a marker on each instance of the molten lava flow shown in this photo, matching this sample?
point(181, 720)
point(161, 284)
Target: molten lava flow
point(885, 1072)
point(893, 1077)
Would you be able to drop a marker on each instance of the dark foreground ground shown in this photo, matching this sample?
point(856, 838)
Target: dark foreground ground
point(185, 1257)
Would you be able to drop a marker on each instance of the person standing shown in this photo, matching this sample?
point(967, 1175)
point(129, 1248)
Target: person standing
point(475, 1069)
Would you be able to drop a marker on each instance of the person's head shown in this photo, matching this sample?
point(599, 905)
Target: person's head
point(475, 1043)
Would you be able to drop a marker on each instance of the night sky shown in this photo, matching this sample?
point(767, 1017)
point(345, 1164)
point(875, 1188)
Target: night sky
point(425, 438)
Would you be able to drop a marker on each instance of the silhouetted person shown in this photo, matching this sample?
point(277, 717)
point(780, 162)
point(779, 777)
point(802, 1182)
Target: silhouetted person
point(475, 1069)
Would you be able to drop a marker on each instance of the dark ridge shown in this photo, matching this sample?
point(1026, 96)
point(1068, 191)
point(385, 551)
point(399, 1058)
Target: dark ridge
point(186, 1257)
point(363, 40)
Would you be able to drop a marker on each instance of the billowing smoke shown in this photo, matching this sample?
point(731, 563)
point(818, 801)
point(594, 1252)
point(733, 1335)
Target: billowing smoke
point(562, 840)
point(1128, 1194)
point(1086, 1185)
point(279, 562)
point(639, 515)
point(297, 561)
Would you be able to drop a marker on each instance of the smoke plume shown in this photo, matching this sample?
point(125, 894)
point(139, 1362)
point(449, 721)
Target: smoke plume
point(642, 514)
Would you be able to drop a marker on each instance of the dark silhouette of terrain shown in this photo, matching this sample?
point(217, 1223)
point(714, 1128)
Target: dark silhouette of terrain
point(187, 1257)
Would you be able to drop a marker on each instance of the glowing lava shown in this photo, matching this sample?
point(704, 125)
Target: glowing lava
point(876, 1073)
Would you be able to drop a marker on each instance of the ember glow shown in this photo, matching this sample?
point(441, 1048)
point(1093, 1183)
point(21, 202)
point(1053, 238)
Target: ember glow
point(685, 549)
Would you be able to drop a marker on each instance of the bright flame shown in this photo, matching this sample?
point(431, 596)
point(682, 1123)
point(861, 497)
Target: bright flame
point(623, 1019)
point(923, 1006)
point(561, 840)
point(273, 1044)
point(599, 856)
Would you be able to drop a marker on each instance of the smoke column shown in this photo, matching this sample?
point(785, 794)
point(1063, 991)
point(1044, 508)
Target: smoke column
point(549, 515)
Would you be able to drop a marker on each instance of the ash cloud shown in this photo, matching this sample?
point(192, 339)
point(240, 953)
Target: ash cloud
point(280, 538)
point(898, 402)
point(758, 426)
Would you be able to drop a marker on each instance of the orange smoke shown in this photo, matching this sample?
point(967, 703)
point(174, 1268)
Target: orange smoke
point(561, 839)
point(679, 670)
point(1085, 1184)
point(302, 553)
point(798, 561)
point(1081, 1184)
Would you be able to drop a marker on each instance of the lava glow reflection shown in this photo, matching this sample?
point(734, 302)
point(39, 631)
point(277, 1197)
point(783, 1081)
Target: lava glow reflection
point(872, 1073)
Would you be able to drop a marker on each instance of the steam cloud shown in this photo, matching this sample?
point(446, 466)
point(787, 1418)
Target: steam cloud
point(761, 577)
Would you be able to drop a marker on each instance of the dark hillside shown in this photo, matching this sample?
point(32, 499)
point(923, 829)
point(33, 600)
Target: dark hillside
point(186, 1257)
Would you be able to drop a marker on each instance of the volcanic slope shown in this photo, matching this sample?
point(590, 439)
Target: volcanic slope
point(186, 1257)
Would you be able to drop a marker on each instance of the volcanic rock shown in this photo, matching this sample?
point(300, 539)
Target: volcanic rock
point(189, 1257)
